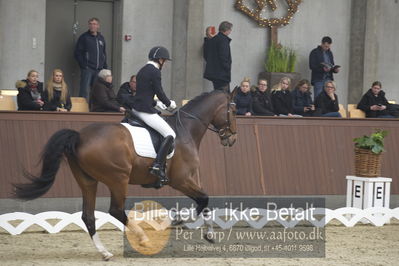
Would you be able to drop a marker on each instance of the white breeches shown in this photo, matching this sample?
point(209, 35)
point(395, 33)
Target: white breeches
point(157, 123)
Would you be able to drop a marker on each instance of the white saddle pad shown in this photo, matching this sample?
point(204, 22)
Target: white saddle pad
point(142, 142)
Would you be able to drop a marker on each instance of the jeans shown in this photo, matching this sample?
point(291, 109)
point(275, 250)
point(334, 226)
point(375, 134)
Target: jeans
point(318, 87)
point(332, 114)
point(87, 78)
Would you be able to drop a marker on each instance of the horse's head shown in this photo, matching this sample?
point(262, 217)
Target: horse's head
point(225, 122)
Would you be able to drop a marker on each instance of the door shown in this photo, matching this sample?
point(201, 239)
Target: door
point(66, 20)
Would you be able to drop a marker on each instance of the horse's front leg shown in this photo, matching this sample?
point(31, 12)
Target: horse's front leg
point(191, 189)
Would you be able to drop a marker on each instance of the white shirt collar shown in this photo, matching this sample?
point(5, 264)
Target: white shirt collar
point(153, 63)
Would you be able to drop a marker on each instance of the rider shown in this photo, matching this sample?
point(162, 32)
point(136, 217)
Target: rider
point(148, 85)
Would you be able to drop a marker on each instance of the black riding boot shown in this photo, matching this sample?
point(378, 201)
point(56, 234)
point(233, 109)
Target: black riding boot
point(159, 165)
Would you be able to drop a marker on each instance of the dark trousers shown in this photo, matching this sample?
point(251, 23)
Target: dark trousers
point(221, 85)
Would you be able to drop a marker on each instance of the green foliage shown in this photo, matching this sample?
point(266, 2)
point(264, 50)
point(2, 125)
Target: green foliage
point(280, 59)
point(374, 142)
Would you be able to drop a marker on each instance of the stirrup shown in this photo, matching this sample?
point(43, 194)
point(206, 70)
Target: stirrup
point(159, 172)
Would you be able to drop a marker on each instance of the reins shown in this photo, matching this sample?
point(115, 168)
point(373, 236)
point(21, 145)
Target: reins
point(196, 118)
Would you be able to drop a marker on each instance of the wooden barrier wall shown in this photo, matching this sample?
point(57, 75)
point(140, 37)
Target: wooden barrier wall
point(273, 156)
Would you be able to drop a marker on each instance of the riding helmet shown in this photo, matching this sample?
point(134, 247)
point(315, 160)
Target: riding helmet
point(159, 52)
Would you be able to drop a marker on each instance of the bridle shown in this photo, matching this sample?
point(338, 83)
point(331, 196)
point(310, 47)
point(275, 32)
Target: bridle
point(227, 132)
point(224, 133)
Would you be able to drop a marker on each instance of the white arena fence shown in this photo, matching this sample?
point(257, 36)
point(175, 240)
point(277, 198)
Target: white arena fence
point(348, 217)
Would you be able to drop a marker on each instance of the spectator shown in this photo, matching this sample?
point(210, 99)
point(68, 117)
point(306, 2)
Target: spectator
point(327, 101)
point(374, 103)
point(91, 55)
point(102, 96)
point(56, 96)
point(302, 100)
point(218, 58)
point(243, 99)
point(281, 98)
point(126, 92)
point(30, 92)
point(208, 35)
point(321, 62)
point(261, 101)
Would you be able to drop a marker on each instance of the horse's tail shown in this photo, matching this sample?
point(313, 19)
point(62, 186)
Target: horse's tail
point(63, 142)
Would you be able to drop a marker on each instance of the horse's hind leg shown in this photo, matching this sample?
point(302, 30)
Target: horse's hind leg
point(88, 186)
point(117, 210)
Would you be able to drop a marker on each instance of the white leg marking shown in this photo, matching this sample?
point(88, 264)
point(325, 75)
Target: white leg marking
point(100, 247)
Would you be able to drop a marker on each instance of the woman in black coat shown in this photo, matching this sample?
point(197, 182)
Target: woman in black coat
point(281, 98)
point(102, 96)
point(56, 96)
point(327, 101)
point(302, 99)
point(30, 92)
point(261, 101)
point(243, 99)
point(374, 103)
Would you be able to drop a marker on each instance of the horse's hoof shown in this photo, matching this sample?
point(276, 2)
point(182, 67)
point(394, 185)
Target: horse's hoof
point(145, 243)
point(209, 238)
point(107, 256)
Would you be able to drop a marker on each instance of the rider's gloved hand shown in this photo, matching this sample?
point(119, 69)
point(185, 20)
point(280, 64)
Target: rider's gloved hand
point(161, 105)
point(172, 106)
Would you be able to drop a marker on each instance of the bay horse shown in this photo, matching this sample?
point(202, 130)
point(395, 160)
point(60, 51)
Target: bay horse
point(105, 153)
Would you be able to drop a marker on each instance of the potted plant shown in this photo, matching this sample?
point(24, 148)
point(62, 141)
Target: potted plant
point(280, 62)
point(368, 154)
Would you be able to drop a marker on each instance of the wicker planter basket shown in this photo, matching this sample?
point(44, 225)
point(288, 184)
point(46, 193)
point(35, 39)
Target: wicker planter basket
point(367, 163)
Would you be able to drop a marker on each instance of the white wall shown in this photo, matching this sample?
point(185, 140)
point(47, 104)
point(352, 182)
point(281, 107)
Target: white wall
point(388, 49)
point(150, 22)
point(20, 22)
point(315, 19)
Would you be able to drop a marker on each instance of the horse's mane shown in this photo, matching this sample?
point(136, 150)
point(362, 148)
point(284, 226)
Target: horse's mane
point(199, 98)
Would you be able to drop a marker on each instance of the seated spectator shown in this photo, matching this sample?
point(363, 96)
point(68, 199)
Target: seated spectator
point(30, 92)
point(102, 96)
point(243, 99)
point(374, 103)
point(302, 99)
point(56, 96)
point(261, 102)
point(281, 98)
point(327, 101)
point(126, 92)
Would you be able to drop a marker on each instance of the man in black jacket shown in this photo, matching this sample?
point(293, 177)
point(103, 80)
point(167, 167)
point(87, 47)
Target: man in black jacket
point(217, 55)
point(91, 55)
point(321, 62)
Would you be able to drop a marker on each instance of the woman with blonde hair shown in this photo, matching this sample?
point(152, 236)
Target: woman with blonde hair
point(327, 101)
point(30, 92)
point(282, 99)
point(243, 98)
point(56, 95)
